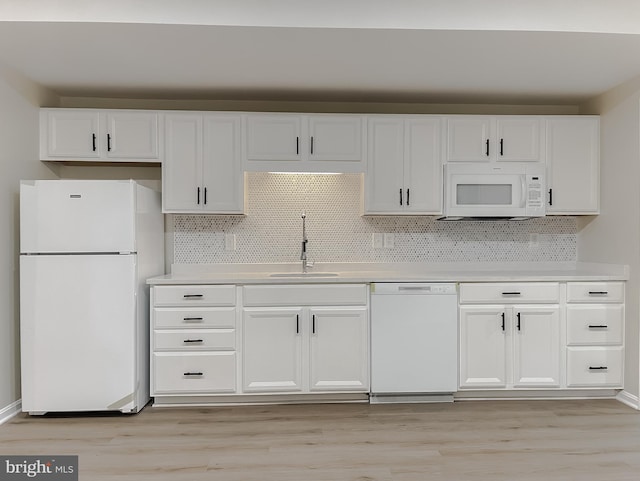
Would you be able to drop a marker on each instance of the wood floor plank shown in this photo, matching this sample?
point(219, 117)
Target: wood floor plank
point(589, 440)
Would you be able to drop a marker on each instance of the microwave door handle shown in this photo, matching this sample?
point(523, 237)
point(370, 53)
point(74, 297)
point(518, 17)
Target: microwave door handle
point(523, 201)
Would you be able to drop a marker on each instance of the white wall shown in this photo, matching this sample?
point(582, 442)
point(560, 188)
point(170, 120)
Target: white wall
point(614, 235)
point(19, 106)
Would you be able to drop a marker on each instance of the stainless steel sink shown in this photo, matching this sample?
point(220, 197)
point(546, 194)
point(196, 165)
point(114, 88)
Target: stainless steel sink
point(304, 274)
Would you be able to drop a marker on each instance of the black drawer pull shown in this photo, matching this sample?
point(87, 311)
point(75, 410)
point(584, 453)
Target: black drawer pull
point(512, 293)
point(598, 368)
point(193, 296)
point(194, 374)
point(193, 319)
point(598, 293)
point(193, 340)
point(598, 326)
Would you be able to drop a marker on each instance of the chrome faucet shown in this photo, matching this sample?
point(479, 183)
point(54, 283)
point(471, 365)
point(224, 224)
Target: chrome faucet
point(303, 254)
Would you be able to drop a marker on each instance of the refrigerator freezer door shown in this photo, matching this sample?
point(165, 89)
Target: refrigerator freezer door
point(69, 216)
point(78, 332)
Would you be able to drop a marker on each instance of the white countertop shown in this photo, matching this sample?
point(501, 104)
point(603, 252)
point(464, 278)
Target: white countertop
point(381, 272)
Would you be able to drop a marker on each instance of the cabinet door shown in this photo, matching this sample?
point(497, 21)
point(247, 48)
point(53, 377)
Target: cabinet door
point(72, 134)
point(338, 350)
point(573, 165)
point(384, 178)
point(272, 350)
point(519, 139)
point(483, 346)
point(423, 166)
point(536, 338)
point(132, 135)
point(222, 178)
point(182, 166)
point(335, 137)
point(469, 139)
point(274, 137)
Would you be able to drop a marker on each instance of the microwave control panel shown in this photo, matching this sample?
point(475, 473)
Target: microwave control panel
point(535, 195)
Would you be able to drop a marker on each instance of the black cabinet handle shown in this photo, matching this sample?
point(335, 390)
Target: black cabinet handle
point(598, 368)
point(312, 145)
point(598, 326)
point(108, 142)
point(503, 316)
point(487, 143)
point(518, 317)
point(550, 196)
point(400, 196)
point(193, 319)
point(192, 296)
point(94, 142)
point(598, 293)
point(313, 324)
point(205, 196)
point(407, 196)
point(193, 340)
point(501, 147)
point(297, 145)
point(512, 293)
point(193, 374)
point(297, 324)
point(198, 195)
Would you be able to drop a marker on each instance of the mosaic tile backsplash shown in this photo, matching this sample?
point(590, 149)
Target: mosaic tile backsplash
point(271, 230)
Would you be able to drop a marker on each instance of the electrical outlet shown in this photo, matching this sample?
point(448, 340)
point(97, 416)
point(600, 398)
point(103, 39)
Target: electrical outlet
point(376, 239)
point(389, 241)
point(230, 242)
point(534, 239)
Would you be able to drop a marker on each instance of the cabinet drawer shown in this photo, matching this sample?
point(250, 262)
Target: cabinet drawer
point(306, 295)
point(595, 324)
point(594, 366)
point(195, 339)
point(510, 293)
point(194, 295)
point(196, 372)
point(595, 292)
point(181, 317)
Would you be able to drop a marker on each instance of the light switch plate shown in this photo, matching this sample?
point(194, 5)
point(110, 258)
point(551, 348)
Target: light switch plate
point(230, 242)
point(376, 239)
point(389, 241)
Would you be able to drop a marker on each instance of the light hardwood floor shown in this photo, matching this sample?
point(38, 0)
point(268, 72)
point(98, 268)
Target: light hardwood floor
point(474, 440)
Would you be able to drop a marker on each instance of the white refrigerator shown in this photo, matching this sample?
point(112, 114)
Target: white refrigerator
point(86, 250)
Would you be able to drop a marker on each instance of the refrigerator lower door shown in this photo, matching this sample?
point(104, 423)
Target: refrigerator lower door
point(78, 333)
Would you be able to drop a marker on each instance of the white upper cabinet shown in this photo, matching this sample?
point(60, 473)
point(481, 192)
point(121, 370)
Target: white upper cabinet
point(573, 165)
point(304, 143)
point(202, 170)
point(404, 172)
point(99, 135)
point(477, 138)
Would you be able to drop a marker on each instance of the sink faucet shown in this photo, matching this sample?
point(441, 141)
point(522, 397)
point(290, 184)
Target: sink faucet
point(303, 254)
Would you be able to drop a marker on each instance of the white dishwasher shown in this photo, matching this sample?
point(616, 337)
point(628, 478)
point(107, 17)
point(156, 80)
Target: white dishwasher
point(414, 342)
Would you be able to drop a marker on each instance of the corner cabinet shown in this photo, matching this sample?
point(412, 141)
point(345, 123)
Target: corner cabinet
point(573, 165)
point(305, 339)
point(99, 135)
point(202, 170)
point(304, 143)
point(404, 171)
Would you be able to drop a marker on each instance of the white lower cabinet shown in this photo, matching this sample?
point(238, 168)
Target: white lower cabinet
point(320, 345)
point(193, 340)
point(509, 346)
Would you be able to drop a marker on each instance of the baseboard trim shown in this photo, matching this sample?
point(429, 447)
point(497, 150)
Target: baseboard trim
point(10, 411)
point(629, 399)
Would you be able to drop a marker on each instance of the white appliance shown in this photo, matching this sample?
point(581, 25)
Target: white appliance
point(414, 342)
point(514, 191)
point(87, 248)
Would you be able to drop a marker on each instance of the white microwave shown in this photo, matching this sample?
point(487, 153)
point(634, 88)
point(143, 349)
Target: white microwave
point(512, 191)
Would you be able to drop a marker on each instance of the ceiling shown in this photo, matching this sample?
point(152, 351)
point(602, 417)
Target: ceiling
point(179, 61)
